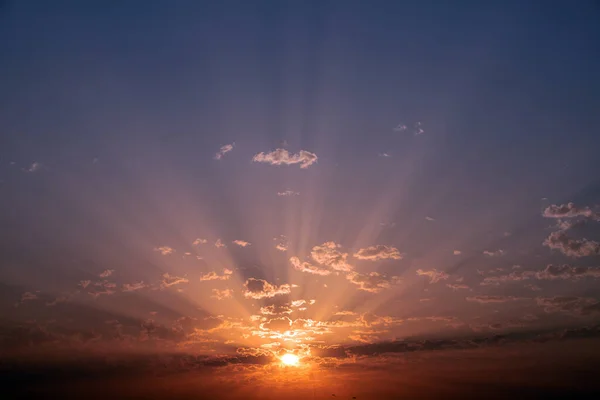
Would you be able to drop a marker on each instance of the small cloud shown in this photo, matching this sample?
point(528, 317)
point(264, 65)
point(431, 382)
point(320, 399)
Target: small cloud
point(434, 275)
point(222, 294)
point(418, 129)
point(385, 155)
point(283, 157)
point(106, 273)
point(199, 241)
point(457, 252)
point(85, 283)
point(172, 280)
point(36, 166)
point(219, 244)
point(569, 210)
point(308, 267)
point(224, 150)
point(132, 287)
point(212, 275)
point(575, 248)
point(494, 299)
point(275, 309)
point(261, 289)
point(496, 253)
point(288, 193)
point(378, 252)
point(373, 282)
point(429, 219)
point(281, 247)
point(241, 243)
point(164, 250)
point(28, 296)
point(400, 128)
point(569, 305)
point(328, 254)
point(457, 286)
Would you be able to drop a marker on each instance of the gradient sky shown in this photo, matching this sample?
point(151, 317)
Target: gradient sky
point(248, 178)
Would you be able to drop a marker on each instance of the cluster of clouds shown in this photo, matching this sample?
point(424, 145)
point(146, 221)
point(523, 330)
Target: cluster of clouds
point(329, 258)
point(569, 215)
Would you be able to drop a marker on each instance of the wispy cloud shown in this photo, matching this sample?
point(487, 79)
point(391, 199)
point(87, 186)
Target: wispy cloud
point(457, 252)
point(132, 287)
point(222, 294)
point(570, 247)
point(494, 299)
point(430, 219)
point(496, 253)
point(260, 289)
point(199, 241)
point(241, 243)
point(434, 275)
point(172, 280)
point(569, 210)
point(569, 305)
point(283, 157)
point(373, 282)
point(36, 166)
point(224, 150)
point(106, 273)
point(378, 252)
point(219, 244)
point(288, 193)
point(308, 267)
point(212, 275)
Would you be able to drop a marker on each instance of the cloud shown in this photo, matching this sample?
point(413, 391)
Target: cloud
point(106, 273)
point(241, 243)
point(199, 241)
point(28, 296)
point(36, 166)
point(164, 250)
point(275, 309)
point(222, 294)
point(288, 193)
point(434, 275)
point(281, 247)
point(373, 282)
point(457, 252)
point(280, 324)
point(569, 210)
point(283, 157)
point(550, 272)
point(496, 253)
point(84, 283)
point(224, 150)
point(493, 299)
point(429, 219)
point(400, 128)
point(384, 155)
point(212, 276)
point(457, 286)
point(565, 271)
point(261, 289)
point(378, 252)
point(131, 287)
point(102, 287)
point(308, 267)
point(172, 280)
point(219, 244)
point(329, 255)
point(569, 305)
point(575, 248)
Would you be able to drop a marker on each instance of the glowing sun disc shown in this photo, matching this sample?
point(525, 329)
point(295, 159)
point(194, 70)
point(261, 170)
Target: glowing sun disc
point(290, 359)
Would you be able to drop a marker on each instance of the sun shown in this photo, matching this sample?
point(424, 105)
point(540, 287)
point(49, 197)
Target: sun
point(290, 359)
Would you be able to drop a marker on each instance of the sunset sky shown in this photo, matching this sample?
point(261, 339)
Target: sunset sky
point(206, 186)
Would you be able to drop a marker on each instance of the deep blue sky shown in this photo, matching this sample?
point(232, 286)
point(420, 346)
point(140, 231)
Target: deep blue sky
point(111, 114)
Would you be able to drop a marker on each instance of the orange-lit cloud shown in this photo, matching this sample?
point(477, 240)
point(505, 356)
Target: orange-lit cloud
point(260, 289)
point(378, 252)
point(283, 157)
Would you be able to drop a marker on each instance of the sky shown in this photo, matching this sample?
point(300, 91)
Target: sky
point(381, 188)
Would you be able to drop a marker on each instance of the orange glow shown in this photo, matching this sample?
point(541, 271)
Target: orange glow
point(291, 360)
